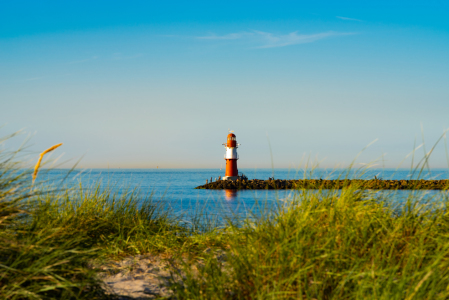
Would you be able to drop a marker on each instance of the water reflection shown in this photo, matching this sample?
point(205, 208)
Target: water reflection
point(230, 195)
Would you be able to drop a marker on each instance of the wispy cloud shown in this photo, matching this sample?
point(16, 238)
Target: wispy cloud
point(294, 38)
point(83, 60)
point(230, 36)
point(348, 19)
point(120, 56)
point(270, 40)
point(33, 78)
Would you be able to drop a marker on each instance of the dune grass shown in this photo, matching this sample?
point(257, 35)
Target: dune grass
point(38, 164)
point(37, 262)
point(321, 244)
point(330, 245)
point(51, 238)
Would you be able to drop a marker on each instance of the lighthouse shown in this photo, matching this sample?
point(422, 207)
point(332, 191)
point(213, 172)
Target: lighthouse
point(231, 158)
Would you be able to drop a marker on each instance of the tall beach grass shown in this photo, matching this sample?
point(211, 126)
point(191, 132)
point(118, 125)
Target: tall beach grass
point(52, 237)
point(321, 244)
point(332, 245)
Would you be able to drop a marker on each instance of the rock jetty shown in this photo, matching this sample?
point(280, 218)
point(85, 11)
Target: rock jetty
point(373, 184)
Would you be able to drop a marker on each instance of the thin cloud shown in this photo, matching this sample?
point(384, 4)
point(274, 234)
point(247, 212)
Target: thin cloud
point(30, 79)
point(230, 36)
point(120, 56)
point(270, 40)
point(33, 78)
point(82, 60)
point(294, 38)
point(348, 19)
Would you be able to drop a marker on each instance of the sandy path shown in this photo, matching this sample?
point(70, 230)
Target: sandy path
point(138, 277)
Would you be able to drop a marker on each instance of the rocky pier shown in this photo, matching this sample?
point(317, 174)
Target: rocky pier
point(373, 184)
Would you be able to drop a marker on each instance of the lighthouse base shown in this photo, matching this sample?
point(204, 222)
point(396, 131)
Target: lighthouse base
point(230, 178)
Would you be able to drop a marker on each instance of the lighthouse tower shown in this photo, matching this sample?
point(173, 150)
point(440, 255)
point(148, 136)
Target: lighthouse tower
point(231, 158)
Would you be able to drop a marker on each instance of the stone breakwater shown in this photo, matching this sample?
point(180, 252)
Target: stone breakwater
point(372, 184)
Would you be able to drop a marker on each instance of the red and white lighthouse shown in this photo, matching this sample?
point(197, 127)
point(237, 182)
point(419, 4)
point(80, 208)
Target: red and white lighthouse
point(231, 157)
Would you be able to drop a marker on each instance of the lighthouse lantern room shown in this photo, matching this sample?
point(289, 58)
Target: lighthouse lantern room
point(231, 158)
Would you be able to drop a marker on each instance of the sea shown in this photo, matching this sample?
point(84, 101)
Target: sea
point(175, 188)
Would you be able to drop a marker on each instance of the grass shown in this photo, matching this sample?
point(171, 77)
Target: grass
point(318, 245)
point(51, 237)
point(36, 262)
point(36, 167)
point(334, 246)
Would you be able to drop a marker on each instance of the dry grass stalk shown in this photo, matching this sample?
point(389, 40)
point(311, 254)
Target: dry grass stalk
point(36, 168)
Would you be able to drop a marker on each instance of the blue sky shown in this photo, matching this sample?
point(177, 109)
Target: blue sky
point(142, 84)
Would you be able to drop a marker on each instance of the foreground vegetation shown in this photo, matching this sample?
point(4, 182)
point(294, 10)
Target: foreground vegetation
point(50, 238)
point(318, 245)
point(333, 246)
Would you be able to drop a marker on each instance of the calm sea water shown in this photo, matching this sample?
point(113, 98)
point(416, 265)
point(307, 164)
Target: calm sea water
point(176, 186)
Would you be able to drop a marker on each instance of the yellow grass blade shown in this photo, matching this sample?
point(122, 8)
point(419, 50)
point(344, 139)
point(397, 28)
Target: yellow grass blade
point(36, 168)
